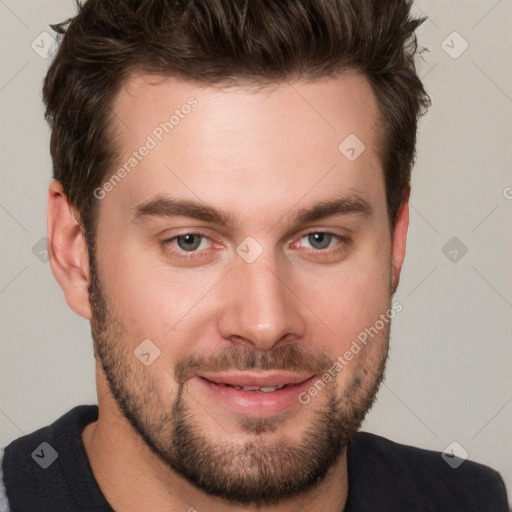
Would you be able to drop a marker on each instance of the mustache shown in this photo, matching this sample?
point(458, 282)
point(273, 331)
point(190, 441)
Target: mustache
point(282, 357)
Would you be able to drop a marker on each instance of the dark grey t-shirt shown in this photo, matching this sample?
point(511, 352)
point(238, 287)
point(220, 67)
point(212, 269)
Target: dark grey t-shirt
point(48, 471)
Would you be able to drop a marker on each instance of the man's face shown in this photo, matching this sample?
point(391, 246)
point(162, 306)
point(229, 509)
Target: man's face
point(258, 298)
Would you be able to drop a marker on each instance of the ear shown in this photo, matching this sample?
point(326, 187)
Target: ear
point(67, 250)
point(399, 241)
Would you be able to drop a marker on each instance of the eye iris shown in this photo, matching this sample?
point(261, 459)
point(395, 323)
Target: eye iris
point(323, 239)
point(189, 239)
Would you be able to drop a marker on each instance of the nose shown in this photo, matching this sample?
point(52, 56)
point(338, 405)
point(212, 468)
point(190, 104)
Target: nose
point(263, 308)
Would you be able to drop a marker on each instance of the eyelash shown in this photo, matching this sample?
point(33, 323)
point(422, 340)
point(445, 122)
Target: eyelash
point(329, 252)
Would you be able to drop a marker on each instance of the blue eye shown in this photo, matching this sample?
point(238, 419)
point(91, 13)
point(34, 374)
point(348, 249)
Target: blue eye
point(319, 240)
point(190, 241)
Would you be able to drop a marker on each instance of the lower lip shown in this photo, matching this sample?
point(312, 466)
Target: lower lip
point(256, 404)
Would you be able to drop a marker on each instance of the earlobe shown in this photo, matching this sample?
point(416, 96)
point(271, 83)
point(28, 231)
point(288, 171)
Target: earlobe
point(399, 242)
point(67, 250)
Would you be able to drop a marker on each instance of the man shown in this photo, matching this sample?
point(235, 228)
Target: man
point(230, 210)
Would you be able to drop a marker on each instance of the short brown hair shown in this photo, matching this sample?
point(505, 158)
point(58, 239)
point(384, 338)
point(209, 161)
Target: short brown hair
point(225, 42)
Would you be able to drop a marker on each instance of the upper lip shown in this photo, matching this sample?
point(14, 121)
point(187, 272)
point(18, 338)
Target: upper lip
point(261, 379)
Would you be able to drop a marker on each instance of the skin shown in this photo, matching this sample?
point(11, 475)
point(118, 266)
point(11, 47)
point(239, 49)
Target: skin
point(262, 156)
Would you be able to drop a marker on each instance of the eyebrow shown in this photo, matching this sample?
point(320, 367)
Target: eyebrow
point(166, 206)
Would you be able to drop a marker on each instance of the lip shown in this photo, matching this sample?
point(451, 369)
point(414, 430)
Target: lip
point(260, 379)
point(256, 404)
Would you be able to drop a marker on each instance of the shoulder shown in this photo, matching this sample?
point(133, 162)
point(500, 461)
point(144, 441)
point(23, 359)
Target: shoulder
point(25, 450)
point(425, 476)
point(36, 467)
point(4, 502)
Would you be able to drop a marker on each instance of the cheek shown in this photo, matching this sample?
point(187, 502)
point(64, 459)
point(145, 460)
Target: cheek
point(352, 298)
point(153, 300)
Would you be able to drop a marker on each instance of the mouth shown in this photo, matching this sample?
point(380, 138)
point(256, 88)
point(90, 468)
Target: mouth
point(256, 388)
point(265, 381)
point(255, 394)
point(263, 389)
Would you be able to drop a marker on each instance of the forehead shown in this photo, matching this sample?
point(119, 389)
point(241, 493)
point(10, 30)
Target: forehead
point(335, 104)
point(263, 146)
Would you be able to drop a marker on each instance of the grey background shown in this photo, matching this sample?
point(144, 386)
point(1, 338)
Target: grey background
point(449, 374)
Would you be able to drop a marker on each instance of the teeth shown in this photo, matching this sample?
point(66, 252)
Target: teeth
point(269, 388)
point(265, 389)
